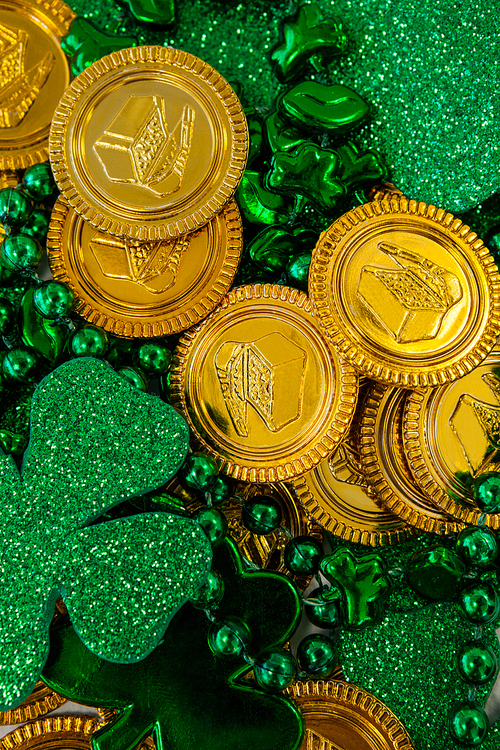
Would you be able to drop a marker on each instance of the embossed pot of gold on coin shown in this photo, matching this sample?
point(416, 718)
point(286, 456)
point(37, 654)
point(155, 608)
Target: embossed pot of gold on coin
point(407, 293)
point(260, 386)
point(148, 143)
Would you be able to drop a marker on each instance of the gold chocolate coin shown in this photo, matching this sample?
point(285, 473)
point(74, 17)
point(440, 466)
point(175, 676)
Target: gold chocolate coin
point(261, 388)
point(34, 73)
point(148, 143)
point(385, 467)
point(407, 293)
point(54, 733)
point(341, 716)
point(144, 289)
point(451, 437)
point(41, 701)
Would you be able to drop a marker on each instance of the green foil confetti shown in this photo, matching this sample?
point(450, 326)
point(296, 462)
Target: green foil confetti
point(94, 442)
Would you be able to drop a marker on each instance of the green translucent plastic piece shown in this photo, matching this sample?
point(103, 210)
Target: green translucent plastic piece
point(46, 337)
point(160, 12)
point(85, 43)
point(314, 106)
point(259, 205)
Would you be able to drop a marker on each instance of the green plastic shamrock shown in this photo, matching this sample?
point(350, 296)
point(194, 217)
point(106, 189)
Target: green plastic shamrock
point(45, 336)
point(161, 12)
point(94, 442)
point(309, 171)
point(258, 205)
point(313, 106)
point(188, 697)
point(85, 43)
point(280, 136)
point(307, 37)
point(363, 582)
point(360, 168)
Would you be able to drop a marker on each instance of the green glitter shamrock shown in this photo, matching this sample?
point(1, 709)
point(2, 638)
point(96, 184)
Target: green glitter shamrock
point(94, 442)
point(188, 697)
point(363, 582)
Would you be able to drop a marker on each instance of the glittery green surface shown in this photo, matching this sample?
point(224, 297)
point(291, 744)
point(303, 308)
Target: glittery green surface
point(94, 441)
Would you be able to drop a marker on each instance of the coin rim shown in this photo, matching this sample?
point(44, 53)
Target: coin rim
point(326, 255)
point(417, 457)
point(29, 734)
point(334, 431)
point(351, 695)
point(99, 216)
point(373, 472)
point(35, 708)
point(176, 322)
point(61, 15)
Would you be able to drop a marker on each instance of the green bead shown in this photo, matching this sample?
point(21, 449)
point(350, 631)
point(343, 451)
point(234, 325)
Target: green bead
point(486, 489)
point(477, 546)
point(89, 341)
point(210, 594)
point(272, 248)
point(435, 573)
point(134, 377)
point(160, 12)
point(476, 663)
point(315, 106)
point(221, 490)
point(7, 316)
point(259, 205)
point(153, 357)
point(327, 613)
point(303, 555)
point(213, 523)
point(198, 472)
point(479, 603)
point(53, 299)
point(262, 514)
point(280, 135)
point(20, 366)
point(86, 43)
point(39, 182)
point(297, 271)
point(20, 252)
point(229, 638)
point(37, 225)
point(15, 207)
point(467, 724)
point(317, 655)
point(274, 669)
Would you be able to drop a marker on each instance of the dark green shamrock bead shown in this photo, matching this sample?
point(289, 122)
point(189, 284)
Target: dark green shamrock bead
point(85, 43)
point(259, 205)
point(476, 663)
point(38, 182)
point(314, 106)
point(274, 669)
point(210, 594)
point(486, 489)
point(467, 724)
point(479, 603)
point(477, 546)
point(89, 341)
point(297, 271)
point(153, 357)
point(306, 36)
point(262, 514)
point(20, 365)
point(15, 207)
point(435, 573)
point(272, 248)
point(317, 655)
point(360, 168)
point(280, 135)
point(37, 225)
point(7, 316)
point(221, 490)
point(20, 252)
point(213, 523)
point(303, 555)
point(229, 638)
point(198, 472)
point(120, 351)
point(49, 339)
point(255, 134)
point(160, 12)
point(134, 377)
point(327, 613)
point(13, 443)
point(53, 299)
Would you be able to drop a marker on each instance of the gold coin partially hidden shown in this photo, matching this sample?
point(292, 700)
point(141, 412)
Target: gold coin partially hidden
point(54, 733)
point(451, 437)
point(260, 386)
point(34, 73)
point(407, 293)
point(342, 716)
point(148, 143)
point(147, 289)
point(41, 701)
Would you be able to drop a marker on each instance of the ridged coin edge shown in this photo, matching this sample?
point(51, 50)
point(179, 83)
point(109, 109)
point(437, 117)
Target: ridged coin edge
point(77, 723)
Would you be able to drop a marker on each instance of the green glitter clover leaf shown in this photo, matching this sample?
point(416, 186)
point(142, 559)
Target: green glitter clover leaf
point(363, 582)
point(94, 442)
point(188, 697)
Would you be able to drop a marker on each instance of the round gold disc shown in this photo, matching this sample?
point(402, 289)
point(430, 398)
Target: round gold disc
point(54, 733)
point(260, 386)
point(34, 73)
point(144, 289)
point(148, 143)
point(41, 701)
point(407, 293)
point(341, 716)
point(451, 437)
point(385, 467)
